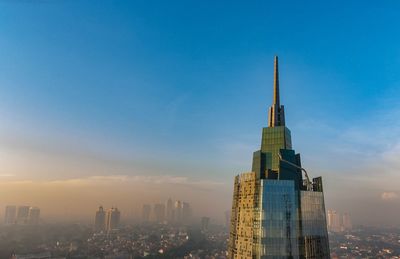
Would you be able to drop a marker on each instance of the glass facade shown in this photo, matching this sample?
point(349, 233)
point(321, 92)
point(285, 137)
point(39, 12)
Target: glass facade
point(314, 228)
point(278, 230)
point(273, 140)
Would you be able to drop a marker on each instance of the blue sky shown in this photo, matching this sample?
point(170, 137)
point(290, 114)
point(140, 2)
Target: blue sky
point(181, 88)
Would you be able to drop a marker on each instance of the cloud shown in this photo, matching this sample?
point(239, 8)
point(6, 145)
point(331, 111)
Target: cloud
point(389, 196)
point(125, 179)
point(7, 175)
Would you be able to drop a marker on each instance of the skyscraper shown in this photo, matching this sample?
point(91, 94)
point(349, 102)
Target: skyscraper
point(334, 221)
point(100, 219)
point(23, 214)
point(34, 215)
point(338, 222)
point(178, 212)
point(329, 220)
point(276, 212)
point(113, 218)
point(347, 222)
point(10, 215)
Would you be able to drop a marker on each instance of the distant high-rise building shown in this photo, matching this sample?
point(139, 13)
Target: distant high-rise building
point(334, 221)
point(276, 213)
point(330, 220)
point(347, 222)
point(178, 211)
point(34, 215)
point(159, 212)
point(113, 219)
point(204, 223)
point(10, 215)
point(338, 222)
point(100, 219)
point(23, 214)
point(146, 211)
point(170, 211)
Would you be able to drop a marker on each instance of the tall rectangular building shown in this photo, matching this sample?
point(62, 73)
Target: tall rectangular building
point(23, 214)
point(100, 219)
point(276, 212)
point(334, 222)
point(34, 215)
point(178, 212)
point(113, 219)
point(10, 215)
point(346, 222)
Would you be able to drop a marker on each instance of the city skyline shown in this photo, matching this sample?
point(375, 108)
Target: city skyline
point(122, 104)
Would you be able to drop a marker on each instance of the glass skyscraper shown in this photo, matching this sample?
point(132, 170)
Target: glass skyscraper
point(276, 212)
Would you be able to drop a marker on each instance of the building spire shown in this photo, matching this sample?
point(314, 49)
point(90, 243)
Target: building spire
point(276, 111)
point(276, 82)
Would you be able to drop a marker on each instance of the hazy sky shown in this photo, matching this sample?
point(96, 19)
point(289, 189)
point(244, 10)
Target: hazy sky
point(125, 102)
